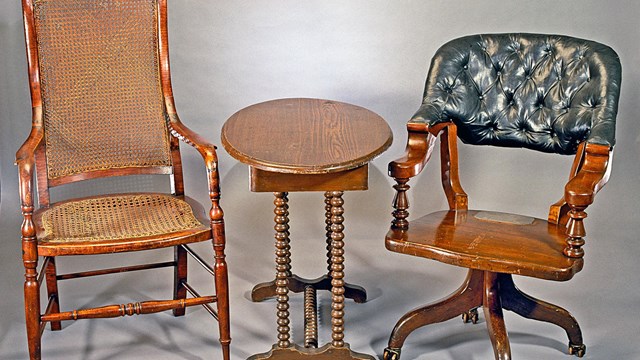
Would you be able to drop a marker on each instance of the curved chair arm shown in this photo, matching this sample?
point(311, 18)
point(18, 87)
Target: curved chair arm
point(182, 132)
point(25, 160)
point(206, 149)
point(417, 153)
point(594, 173)
point(208, 152)
point(580, 192)
point(420, 144)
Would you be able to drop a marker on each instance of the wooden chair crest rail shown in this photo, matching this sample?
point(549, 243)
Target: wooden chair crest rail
point(103, 106)
point(543, 92)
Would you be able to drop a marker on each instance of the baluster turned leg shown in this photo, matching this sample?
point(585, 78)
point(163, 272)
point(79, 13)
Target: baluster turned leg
point(575, 233)
point(337, 269)
point(221, 273)
point(283, 260)
point(31, 285)
point(401, 205)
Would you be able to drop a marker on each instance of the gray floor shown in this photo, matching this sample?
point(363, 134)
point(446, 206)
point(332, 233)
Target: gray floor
point(604, 296)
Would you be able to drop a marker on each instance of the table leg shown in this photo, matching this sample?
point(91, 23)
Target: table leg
point(337, 268)
point(267, 290)
point(284, 349)
point(355, 292)
point(283, 267)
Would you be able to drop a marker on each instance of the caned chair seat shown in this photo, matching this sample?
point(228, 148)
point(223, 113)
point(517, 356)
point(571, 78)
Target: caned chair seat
point(104, 224)
point(103, 106)
point(528, 246)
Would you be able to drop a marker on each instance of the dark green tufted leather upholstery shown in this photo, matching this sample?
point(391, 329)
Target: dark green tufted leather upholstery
point(542, 92)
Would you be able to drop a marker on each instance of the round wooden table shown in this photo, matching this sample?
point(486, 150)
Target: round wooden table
point(307, 145)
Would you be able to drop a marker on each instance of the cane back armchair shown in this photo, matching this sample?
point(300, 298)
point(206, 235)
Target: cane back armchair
point(103, 106)
point(547, 93)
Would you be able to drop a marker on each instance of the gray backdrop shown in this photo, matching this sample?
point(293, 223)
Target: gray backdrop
point(226, 55)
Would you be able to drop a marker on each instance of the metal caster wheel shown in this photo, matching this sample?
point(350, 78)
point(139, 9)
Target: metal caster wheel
point(391, 354)
point(470, 316)
point(577, 350)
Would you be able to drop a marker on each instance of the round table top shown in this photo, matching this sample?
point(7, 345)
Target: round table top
point(305, 136)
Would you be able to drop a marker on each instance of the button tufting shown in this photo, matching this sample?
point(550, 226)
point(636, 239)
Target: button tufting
point(565, 64)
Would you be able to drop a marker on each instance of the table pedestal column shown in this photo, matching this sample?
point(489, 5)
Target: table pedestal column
point(337, 349)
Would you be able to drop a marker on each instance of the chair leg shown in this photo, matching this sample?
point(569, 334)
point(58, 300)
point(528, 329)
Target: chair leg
point(531, 308)
point(222, 289)
point(493, 315)
point(467, 297)
point(179, 277)
point(32, 310)
point(52, 291)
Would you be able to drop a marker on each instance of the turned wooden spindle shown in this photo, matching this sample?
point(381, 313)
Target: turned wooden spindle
point(327, 221)
point(282, 267)
point(575, 233)
point(31, 285)
point(310, 317)
point(287, 239)
point(401, 205)
point(337, 269)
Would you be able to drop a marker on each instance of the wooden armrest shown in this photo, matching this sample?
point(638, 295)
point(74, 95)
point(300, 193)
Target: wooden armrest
point(208, 152)
point(580, 191)
point(182, 132)
point(25, 160)
point(420, 144)
point(417, 154)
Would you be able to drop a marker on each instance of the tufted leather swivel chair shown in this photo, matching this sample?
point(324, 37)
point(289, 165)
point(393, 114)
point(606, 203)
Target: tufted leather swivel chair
point(547, 93)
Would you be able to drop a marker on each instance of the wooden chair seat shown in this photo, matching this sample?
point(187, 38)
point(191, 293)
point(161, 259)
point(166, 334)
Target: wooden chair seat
point(528, 246)
point(507, 90)
point(119, 222)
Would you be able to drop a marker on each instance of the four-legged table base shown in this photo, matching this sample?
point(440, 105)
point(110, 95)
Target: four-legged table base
point(286, 281)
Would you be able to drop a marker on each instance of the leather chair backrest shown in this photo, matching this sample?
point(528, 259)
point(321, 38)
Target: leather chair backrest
point(543, 92)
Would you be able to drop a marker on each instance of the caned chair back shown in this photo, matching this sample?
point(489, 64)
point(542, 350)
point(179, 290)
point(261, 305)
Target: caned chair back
point(101, 86)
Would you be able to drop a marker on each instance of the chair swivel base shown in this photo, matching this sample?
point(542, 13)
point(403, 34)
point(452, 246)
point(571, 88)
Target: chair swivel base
point(493, 292)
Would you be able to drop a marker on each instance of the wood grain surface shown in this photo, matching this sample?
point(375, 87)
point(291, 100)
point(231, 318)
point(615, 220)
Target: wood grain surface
point(311, 136)
point(460, 238)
